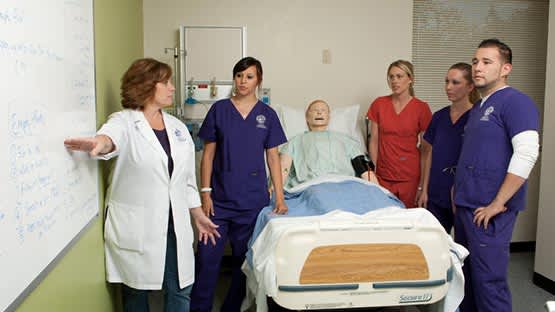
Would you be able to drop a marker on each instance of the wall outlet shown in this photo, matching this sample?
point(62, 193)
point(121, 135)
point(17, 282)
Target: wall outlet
point(326, 56)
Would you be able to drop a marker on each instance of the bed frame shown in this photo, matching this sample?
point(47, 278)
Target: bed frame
point(338, 264)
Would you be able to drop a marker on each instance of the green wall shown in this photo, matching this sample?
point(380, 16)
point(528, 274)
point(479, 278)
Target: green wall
point(77, 283)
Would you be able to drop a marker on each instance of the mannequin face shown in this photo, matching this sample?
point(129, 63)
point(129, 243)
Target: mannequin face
point(318, 116)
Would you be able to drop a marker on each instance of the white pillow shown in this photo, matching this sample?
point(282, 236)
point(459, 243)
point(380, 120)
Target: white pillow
point(347, 120)
point(292, 120)
point(343, 119)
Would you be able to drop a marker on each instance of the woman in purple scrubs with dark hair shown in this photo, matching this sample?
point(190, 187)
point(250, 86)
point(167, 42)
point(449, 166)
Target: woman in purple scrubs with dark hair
point(442, 144)
point(237, 133)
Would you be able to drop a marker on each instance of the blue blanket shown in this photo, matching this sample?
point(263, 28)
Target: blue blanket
point(319, 199)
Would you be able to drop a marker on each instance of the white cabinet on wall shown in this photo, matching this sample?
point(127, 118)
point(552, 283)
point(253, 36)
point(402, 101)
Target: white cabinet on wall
point(206, 64)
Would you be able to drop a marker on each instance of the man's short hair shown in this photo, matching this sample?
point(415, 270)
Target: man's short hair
point(504, 50)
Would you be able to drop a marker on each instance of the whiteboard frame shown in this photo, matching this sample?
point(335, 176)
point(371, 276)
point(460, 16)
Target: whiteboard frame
point(42, 275)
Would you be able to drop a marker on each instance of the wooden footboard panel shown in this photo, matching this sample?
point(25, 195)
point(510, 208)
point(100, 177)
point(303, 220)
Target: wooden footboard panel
point(357, 263)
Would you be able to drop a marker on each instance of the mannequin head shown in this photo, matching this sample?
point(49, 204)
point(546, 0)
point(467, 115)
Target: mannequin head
point(317, 115)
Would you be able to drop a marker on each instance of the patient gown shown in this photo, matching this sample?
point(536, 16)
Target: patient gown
point(317, 153)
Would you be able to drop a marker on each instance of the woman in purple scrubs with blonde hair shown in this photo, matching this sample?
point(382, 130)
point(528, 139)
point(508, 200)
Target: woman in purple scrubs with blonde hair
point(442, 144)
point(237, 132)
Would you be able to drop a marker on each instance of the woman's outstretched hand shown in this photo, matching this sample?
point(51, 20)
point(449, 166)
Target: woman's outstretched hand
point(98, 145)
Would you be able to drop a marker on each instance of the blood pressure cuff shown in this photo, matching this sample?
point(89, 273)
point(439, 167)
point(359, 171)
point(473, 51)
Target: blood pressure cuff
point(361, 165)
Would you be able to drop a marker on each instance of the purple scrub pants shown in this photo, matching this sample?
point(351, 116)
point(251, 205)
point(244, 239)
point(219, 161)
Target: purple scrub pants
point(443, 214)
point(207, 267)
point(486, 287)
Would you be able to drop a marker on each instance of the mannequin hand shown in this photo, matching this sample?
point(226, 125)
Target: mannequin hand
point(370, 176)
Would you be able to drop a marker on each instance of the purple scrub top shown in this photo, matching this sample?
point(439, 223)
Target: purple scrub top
point(239, 182)
point(487, 148)
point(446, 140)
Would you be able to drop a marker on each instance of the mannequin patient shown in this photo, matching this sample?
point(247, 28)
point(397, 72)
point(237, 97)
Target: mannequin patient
point(320, 151)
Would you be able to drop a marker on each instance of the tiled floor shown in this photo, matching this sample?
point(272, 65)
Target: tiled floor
point(527, 297)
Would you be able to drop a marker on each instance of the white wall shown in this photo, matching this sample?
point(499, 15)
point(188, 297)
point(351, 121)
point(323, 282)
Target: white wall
point(545, 251)
point(288, 37)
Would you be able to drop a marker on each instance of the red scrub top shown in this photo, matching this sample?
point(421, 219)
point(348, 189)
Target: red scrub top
point(398, 156)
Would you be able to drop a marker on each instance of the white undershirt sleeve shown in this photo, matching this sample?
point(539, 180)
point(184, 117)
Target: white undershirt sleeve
point(525, 153)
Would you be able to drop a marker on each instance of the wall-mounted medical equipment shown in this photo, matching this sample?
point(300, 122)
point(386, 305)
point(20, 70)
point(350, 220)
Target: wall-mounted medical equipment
point(206, 65)
point(194, 126)
point(176, 108)
point(207, 92)
point(264, 95)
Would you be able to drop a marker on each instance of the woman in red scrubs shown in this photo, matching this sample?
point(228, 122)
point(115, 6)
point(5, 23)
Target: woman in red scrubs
point(398, 121)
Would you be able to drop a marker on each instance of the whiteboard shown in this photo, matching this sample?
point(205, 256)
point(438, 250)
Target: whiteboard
point(47, 91)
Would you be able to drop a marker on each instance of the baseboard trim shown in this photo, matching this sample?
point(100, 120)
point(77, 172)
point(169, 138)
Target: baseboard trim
point(523, 246)
point(544, 283)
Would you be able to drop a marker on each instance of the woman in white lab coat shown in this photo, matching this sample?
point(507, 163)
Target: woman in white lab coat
point(148, 233)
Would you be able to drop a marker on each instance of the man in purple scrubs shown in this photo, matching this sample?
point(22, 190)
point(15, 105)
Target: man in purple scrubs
point(238, 133)
point(500, 147)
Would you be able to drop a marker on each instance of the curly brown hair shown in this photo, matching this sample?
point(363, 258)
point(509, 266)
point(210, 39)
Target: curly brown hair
point(138, 84)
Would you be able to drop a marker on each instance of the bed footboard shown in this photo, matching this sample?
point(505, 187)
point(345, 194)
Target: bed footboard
point(333, 265)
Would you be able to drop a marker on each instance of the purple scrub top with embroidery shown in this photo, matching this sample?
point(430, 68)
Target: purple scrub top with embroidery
point(239, 181)
point(487, 148)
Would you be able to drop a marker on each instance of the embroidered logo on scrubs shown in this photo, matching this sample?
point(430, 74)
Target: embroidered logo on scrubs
point(179, 135)
point(261, 120)
point(488, 111)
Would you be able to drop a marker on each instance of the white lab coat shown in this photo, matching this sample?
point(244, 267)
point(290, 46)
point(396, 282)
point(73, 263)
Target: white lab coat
point(138, 201)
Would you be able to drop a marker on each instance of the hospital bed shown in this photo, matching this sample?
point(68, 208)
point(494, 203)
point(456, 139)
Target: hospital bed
point(346, 251)
point(356, 248)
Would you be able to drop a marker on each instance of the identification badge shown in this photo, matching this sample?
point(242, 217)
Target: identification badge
point(179, 135)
